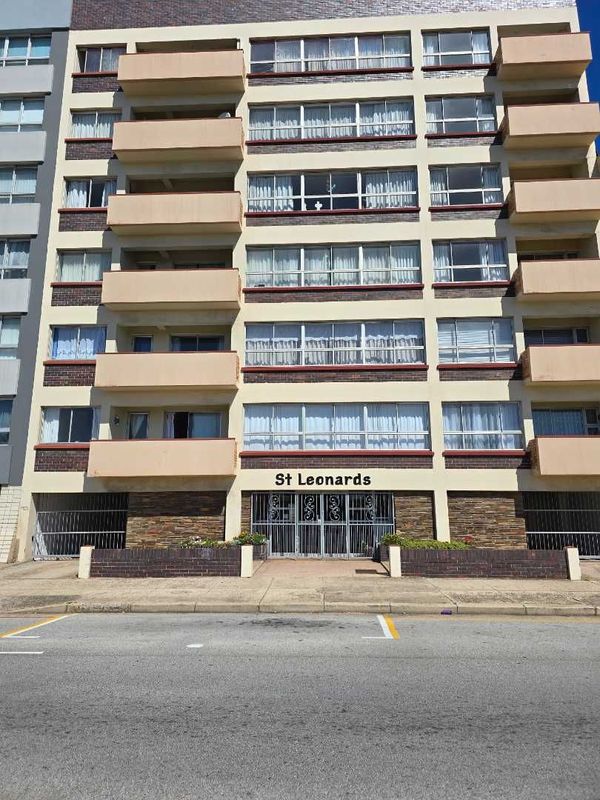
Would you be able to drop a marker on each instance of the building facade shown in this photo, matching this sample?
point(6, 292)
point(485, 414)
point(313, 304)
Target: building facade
point(320, 279)
point(33, 48)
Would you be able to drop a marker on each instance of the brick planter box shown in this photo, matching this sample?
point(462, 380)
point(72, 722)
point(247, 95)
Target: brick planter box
point(171, 562)
point(482, 563)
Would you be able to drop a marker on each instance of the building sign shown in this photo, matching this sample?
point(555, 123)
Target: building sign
point(306, 479)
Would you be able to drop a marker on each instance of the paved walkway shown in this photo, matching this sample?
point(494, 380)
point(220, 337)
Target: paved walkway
point(294, 586)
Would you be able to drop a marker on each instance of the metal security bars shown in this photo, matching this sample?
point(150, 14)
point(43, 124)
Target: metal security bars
point(554, 520)
point(319, 525)
point(67, 522)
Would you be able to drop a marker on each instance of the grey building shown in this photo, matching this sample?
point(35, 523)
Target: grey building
point(33, 46)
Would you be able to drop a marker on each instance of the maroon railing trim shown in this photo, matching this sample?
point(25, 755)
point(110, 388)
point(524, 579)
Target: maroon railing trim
point(76, 283)
point(370, 71)
point(469, 284)
point(479, 453)
point(341, 368)
point(329, 212)
point(68, 361)
point(62, 446)
point(469, 207)
point(348, 288)
point(332, 453)
point(393, 138)
point(483, 365)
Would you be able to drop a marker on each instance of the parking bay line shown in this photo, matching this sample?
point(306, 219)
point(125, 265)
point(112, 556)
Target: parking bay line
point(387, 626)
point(26, 628)
point(21, 652)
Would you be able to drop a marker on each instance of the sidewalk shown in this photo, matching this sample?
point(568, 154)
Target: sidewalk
point(294, 586)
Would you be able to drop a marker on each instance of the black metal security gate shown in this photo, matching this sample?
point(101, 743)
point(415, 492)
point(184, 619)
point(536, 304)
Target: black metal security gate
point(316, 525)
point(555, 520)
point(67, 522)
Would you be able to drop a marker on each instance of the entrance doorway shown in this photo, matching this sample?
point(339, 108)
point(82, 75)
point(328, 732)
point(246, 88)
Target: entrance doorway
point(322, 525)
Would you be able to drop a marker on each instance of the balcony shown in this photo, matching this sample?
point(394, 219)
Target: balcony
point(565, 200)
point(551, 126)
point(173, 214)
point(214, 72)
point(160, 141)
point(160, 371)
point(559, 280)
point(526, 58)
point(163, 458)
point(554, 365)
point(14, 295)
point(171, 289)
point(566, 456)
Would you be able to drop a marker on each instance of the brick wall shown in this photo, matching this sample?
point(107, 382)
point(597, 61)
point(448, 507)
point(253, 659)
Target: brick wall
point(106, 14)
point(63, 458)
point(72, 294)
point(483, 461)
point(485, 563)
point(463, 141)
point(283, 461)
point(336, 295)
point(357, 218)
point(501, 290)
point(96, 83)
point(414, 514)
point(82, 220)
point(332, 376)
point(492, 374)
point(73, 374)
point(350, 77)
point(324, 147)
point(246, 515)
point(161, 519)
point(166, 563)
point(493, 519)
point(86, 149)
point(466, 214)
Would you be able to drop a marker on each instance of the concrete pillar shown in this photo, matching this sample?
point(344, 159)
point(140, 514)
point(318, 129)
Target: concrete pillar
point(233, 513)
point(395, 562)
point(442, 520)
point(573, 563)
point(85, 562)
point(247, 560)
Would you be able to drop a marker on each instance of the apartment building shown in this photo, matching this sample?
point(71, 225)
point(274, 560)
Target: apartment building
point(320, 279)
point(33, 47)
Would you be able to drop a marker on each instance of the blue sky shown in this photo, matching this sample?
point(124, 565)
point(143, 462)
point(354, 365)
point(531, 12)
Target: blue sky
point(589, 14)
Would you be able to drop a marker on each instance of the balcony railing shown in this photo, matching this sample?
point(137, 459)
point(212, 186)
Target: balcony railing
point(171, 289)
point(566, 456)
point(175, 213)
point(562, 55)
point(568, 200)
point(562, 364)
point(177, 74)
point(160, 371)
point(559, 280)
point(551, 126)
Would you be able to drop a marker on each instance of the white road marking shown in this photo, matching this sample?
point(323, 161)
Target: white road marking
point(21, 652)
point(194, 646)
point(384, 626)
point(26, 628)
point(19, 636)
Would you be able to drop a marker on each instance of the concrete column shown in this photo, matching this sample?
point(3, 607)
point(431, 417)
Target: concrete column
point(442, 520)
point(395, 562)
point(573, 563)
point(247, 561)
point(85, 562)
point(233, 513)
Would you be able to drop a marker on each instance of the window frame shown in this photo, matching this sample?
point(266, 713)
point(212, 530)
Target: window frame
point(94, 432)
point(361, 195)
point(301, 60)
point(456, 349)
point(82, 65)
point(77, 341)
point(331, 272)
point(28, 59)
point(578, 333)
point(332, 350)
point(466, 435)
point(85, 253)
point(447, 193)
point(478, 119)
point(9, 353)
point(97, 112)
point(7, 272)
point(90, 181)
point(130, 416)
point(485, 269)
point(12, 195)
point(592, 428)
point(439, 53)
point(20, 126)
point(5, 432)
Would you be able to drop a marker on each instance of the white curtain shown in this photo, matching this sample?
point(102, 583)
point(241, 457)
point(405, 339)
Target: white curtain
point(287, 123)
point(77, 194)
point(400, 118)
point(318, 344)
point(287, 267)
point(84, 126)
point(345, 266)
point(82, 266)
point(17, 255)
point(382, 427)
point(50, 425)
point(435, 115)
point(375, 188)
point(342, 53)
point(78, 343)
point(439, 187)
point(284, 193)
point(402, 188)
point(316, 122)
point(170, 425)
point(25, 181)
point(259, 269)
point(559, 422)
point(482, 426)
point(486, 114)
point(268, 345)
point(397, 51)
point(110, 58)
point(317, 266)
point(442, 262)
point(257, 427)
point(105, 125)
point(92, 341)
point(430, 49)
point(318, 430)
point(347, 346)
point(287, 56)
point(138, 426)
point(260, 192)
point(492, 184)
point(262, 123)
point(413, 426)
point(376, 264)
point(316, 54)
point(286, 427)
point(349, 426)
point(481, 47)
point(497, 260)
point(343, 120)
point(5, 412)
point(476, 341)
point(372, 119)
point(9, 336)
point(109, 188)
point(405, 263)
point(370, 52)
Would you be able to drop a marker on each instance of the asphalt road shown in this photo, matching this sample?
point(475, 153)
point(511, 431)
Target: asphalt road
point(120, 707)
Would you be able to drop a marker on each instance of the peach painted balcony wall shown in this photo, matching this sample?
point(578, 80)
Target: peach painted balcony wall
point(155, 371)
point(566, 456)
point(560, 55)
point(560, 125)
point(171, 289)
point(182, 73)
point(558, 280)
point(565, 200)
point(562, 364)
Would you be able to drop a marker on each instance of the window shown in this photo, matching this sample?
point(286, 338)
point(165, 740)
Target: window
point(324, 343)
point(17, 185)
point(475, 260)
point(333, 191)
point(142, 344)
point(69, 425)
point(14, 258)
point(9, 336)
point(466, 185)
point(332, 53)
point(566, 422)
point(89, 192)
point(340, 426)
point(93, 124)
point(464, 341)
point(21, 113)
point(332, 120)
point(5, 412)
point(192, 425)
point(354, 265)
point(550, 336)
point(99, 59)
point(196, 344)
point(482, 426)
point(456, 48)
point(461, 115)
point(83, 266)
point(20, 50)
point(138, 426)
point(77, 343)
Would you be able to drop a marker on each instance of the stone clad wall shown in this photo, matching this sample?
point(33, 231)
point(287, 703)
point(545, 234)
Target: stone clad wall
point(414, 514)
point(162, 519)
point(493, 519)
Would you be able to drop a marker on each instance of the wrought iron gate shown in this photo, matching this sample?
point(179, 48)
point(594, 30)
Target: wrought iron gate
point(320, 525)
point(67, 522)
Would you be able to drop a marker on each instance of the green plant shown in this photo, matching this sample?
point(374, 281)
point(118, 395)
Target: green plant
point(421, 544)
point(250, 538)
point(197, 541)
